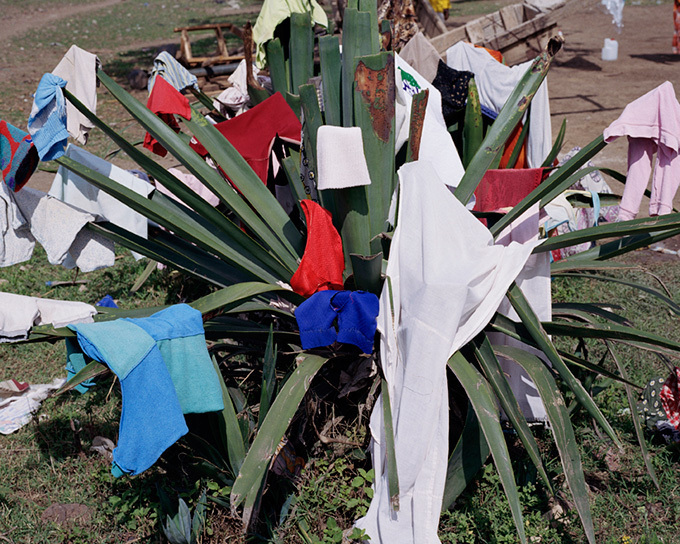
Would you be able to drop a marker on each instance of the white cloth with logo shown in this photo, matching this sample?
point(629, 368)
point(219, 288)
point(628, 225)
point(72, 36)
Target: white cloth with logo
point(447, 279)
point(436, 145)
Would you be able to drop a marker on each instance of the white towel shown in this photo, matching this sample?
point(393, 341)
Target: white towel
point(79, 68)
point(78, 192)
point(447, 280)
point(495, 82)
point(16, 241)
point(436, 145)
point(18, 314)
point(340, 158)
point(59, 228)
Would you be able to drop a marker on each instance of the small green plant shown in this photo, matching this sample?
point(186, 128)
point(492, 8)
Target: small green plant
point(330, 497)
point(182, 528)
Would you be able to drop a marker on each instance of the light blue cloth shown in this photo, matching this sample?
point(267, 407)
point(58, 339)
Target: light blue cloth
point(172, 71)
point(178, 332)
point(151, 419)
point(47, 122)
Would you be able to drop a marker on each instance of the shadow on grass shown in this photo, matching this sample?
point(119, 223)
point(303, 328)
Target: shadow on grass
point(71, 424)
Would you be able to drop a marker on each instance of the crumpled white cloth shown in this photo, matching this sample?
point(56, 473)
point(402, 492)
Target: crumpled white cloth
point(78, 192)
point(59, 228)
point(16, 241)
point(234, 99)
point(447, 279)
point(79, 68)
point(436, 145)
point(534, 281)
point(15, 412)
point(340, 158)
point(18, 313)
point(495, 82)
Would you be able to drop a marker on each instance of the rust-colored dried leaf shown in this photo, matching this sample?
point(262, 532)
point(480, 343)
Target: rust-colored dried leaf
point(378, 93)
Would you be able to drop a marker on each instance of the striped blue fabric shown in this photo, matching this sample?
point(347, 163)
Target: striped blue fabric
point(172, 71)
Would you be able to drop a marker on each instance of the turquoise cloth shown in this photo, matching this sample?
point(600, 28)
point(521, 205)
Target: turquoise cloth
point(75, 362)
point(178, 332)
point(151, 419)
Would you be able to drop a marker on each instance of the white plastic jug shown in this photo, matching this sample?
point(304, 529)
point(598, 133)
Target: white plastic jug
point(610, 51)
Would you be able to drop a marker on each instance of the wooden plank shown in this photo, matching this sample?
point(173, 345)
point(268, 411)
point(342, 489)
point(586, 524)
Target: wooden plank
point(442, 42)
point(432, 23)
point(207, 26)
point(534, 32)
point(512, 16)
point(475, 31)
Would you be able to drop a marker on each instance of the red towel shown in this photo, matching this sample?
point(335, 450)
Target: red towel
point(670, 398)
point(505, 188)
point(323, 263)
point(252, 133)
point(165, 101)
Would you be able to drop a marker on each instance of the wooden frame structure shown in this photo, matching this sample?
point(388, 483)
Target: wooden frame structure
point(222, 57)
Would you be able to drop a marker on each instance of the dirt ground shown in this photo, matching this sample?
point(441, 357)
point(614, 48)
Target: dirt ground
point(589, 92)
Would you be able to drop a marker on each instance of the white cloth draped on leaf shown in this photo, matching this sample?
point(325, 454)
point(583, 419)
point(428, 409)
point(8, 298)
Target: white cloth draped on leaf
point(445, 280)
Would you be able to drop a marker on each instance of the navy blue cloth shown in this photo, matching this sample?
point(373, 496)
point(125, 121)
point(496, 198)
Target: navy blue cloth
point(489, 112)
point(107, 302)
point(343, 316)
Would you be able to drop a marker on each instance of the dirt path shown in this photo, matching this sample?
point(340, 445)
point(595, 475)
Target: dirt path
point(17, 20)
point(591, 93)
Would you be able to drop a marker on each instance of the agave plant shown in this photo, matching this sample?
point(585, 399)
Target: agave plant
point(247, 266)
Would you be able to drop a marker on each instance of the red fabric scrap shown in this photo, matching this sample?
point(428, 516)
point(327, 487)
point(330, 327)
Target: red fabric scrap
point(670, 398)
point(165, 101)
point(253, 132)
point(323, 262)
point(505, 188)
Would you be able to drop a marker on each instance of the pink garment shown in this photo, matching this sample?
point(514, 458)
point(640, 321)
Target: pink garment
point(652, 124)
point(193, 183)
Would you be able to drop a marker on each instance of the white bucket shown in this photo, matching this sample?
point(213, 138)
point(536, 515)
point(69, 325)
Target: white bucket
point(610, 51)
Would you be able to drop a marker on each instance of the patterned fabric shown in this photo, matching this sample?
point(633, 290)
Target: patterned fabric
point(172, 71)
point(453, 84)
point(670, 398)
point(649, 407)
point(18, 156)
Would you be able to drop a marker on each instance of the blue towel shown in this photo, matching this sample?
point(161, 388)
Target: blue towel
point(151, 419)
point(355, 311)
point(178, 332)
point(47, 123)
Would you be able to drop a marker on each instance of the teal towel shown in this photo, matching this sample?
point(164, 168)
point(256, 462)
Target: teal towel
point(151, 419)
point(178, 332)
